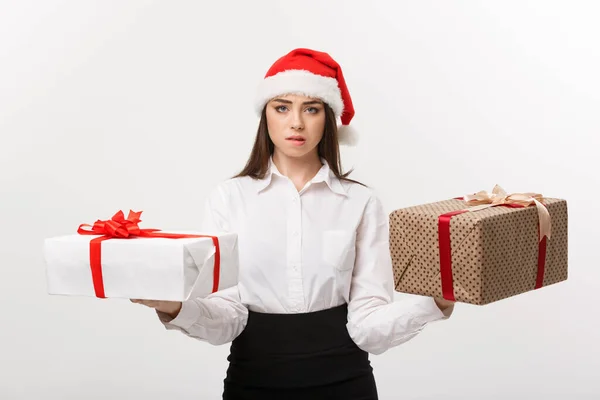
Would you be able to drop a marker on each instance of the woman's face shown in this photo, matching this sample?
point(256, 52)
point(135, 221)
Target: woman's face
point(296, 124)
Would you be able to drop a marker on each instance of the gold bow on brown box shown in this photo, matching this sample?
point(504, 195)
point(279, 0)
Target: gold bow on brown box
point(482, 200)
point(480, 248)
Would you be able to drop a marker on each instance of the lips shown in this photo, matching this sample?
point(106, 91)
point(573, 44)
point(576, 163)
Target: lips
point(296, 140)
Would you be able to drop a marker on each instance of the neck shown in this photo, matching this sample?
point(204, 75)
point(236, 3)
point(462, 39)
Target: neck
point(298, 169)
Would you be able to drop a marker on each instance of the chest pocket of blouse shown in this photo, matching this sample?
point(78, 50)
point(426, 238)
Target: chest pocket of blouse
point(339, 253)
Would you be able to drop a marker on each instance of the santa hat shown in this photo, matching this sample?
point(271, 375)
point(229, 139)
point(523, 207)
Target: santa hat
point(313, 74)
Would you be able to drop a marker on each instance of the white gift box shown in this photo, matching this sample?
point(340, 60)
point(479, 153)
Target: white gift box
point(140, 267)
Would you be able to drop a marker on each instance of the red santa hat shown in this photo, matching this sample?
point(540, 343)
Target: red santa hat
point(313, 74)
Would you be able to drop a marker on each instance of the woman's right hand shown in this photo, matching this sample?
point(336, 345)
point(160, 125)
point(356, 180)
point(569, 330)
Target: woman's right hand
point(170, 308)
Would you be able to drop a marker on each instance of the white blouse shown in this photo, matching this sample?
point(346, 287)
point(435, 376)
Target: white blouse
point(304, 251)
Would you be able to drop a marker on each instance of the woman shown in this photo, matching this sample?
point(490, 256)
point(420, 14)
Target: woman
point(315, 291)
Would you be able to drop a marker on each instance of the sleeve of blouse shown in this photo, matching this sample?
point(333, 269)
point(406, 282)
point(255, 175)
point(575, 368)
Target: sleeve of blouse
point(220, 317)
point(376, 322)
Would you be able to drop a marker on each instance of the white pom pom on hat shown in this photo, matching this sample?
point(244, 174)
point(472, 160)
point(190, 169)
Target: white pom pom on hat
point(310, 73)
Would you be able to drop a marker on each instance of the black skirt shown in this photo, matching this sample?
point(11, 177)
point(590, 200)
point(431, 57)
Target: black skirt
point(298, 356)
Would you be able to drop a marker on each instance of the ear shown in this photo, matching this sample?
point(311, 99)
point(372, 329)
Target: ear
point(347, 135)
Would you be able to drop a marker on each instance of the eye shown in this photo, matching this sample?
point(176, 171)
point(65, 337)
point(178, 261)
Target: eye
point(280, 108)
point(313, 110)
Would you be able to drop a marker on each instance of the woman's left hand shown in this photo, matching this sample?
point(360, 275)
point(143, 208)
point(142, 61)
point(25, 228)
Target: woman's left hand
point(443, 304)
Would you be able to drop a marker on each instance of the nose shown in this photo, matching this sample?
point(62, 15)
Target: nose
point(297, 122)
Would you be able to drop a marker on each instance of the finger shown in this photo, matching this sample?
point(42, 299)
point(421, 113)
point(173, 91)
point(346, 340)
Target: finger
point(140, 301)
point(147, 303)
point(150, 303)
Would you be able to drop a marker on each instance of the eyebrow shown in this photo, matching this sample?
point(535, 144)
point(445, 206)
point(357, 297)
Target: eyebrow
point(305, 103)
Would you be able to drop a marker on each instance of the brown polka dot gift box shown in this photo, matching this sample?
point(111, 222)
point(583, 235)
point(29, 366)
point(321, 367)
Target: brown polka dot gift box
point(480, 248)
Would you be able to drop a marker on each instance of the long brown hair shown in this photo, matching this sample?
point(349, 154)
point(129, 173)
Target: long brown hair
point(328, 148)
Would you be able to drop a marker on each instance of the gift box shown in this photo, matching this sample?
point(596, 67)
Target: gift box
point(480, 248)
point(117, 259)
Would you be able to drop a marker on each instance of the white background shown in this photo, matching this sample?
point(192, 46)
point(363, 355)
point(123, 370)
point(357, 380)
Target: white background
point(108, 105)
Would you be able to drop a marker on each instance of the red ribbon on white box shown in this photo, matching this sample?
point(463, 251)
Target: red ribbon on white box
point(119, 227)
